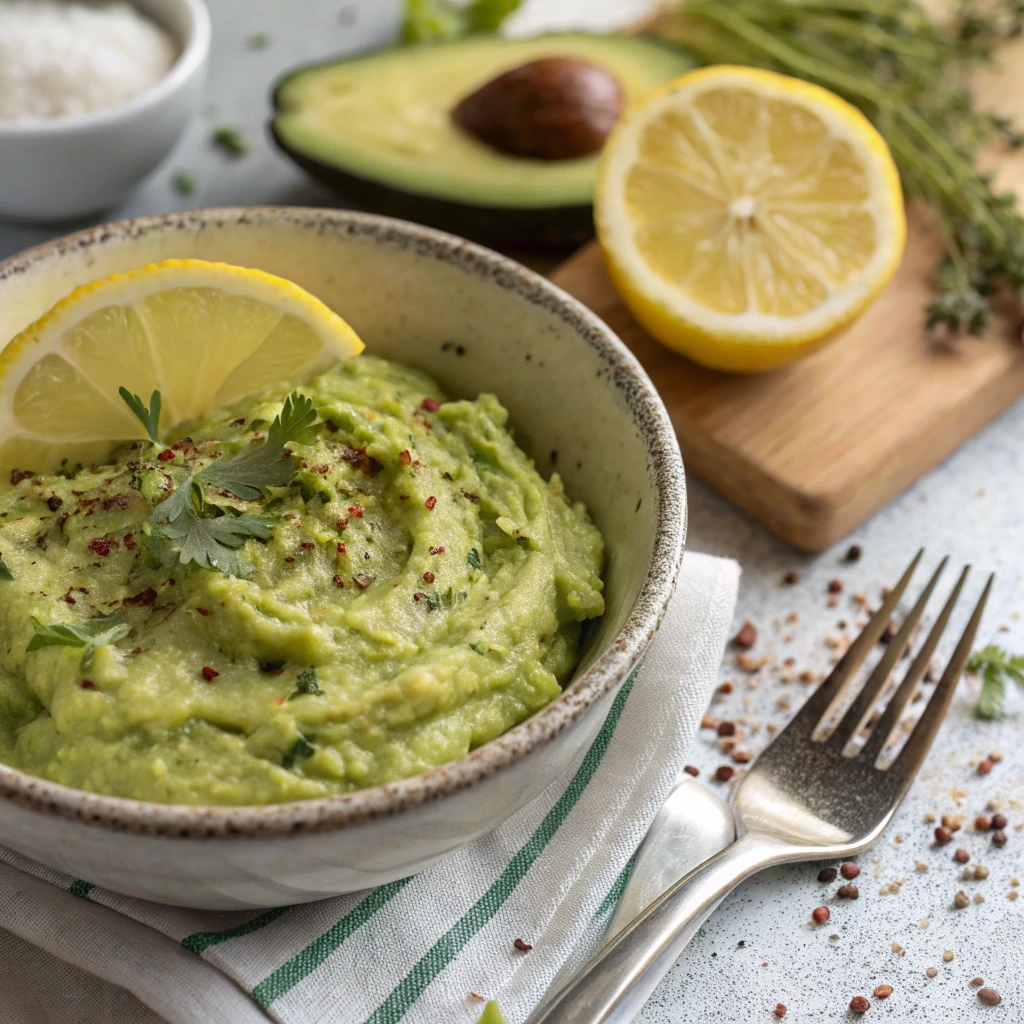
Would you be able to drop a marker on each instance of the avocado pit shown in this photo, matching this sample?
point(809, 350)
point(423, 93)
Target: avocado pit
point(554, 108)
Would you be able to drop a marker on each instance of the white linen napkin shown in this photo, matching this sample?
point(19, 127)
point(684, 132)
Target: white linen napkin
point(413, 951)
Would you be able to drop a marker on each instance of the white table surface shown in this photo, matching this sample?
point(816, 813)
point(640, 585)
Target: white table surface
point(970, 507)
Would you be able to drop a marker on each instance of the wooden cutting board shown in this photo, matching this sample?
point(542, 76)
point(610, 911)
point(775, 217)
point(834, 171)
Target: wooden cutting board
point(812, 450)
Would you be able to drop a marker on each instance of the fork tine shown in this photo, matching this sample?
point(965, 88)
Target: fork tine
point(873, 687)
point(806, 719)
point(920, 740)
point(918, 667)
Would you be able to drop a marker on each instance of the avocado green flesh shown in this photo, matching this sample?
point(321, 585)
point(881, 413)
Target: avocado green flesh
point(387, 117)
point(429, 658)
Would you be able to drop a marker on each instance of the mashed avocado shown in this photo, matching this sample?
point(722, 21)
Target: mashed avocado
point(412, 590)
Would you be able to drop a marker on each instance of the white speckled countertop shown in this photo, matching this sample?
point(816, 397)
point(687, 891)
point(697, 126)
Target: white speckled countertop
point(970, 508)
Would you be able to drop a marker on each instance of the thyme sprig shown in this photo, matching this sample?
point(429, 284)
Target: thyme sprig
point(906, 72)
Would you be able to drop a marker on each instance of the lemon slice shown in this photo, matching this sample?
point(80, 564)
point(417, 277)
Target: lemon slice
point(746, 216)
point(205, 334)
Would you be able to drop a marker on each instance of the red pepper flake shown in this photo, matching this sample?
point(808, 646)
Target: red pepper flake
point(403, 497)
point(430, 404)
point(358, 458)
point(182, 443)
point(419, 596)
point(355, 511)
point(404, 457)
point(116, 501)
point(428, 577)
point(342, 523)
point(129, 541)
point(780, 1010)
point(166, 455)
point(142, 599)
point(102, 545)
point(203, 611)
point(475, 498)
point(17, 475)
point(338, 581)
point(307, 545)
point(209, 674)
point(53, 502)
point(280, 700)
point(341, 548)
point(430, 502)
point(437, 551)
point(240, 422)
point(69, 599)
point(289, 559)
point(523, 947)
point(362, 580)
point(820, 914)
point(322, 470)
point(86, 684)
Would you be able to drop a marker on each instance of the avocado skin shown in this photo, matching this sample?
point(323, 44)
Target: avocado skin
point(566, 225)
point(547, 226)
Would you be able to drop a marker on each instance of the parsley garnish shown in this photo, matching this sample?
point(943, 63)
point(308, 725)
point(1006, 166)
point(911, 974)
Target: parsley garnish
point(474, 559)
point(5, 574)
point(149, 418)
point(211, 541)
point(995, 666)
point(230, 140)
point(306, 682)
point(264, 465)
point(90, 634)
point(298, 751)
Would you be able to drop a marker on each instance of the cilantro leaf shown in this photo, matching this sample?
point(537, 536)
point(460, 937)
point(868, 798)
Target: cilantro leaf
point(995, 666)
point(210, 542)
point(299, 750)
point(5, 573)
point(149, 418)
point(432, 20)
point(474, 559)
point(90, 634)
point(267, 464)
point(306, 682)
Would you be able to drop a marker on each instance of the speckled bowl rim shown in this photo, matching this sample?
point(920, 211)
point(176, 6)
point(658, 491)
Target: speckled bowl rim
point(611, 668)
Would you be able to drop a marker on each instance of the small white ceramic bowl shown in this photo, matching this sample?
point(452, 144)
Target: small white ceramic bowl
point(56, 169)
point(578, 400)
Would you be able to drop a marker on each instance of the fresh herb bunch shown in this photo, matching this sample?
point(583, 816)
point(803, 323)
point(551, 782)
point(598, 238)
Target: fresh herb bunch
point(433, 20)
point(996, 667)
point(905, 71)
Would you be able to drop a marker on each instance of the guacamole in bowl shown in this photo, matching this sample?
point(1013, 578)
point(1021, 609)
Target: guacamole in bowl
point(405, 588)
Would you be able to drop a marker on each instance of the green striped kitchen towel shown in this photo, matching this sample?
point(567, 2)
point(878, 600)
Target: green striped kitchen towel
point(417, 951)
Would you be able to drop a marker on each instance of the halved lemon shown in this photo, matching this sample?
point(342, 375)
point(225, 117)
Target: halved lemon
point(205, 334)
point(746, 216)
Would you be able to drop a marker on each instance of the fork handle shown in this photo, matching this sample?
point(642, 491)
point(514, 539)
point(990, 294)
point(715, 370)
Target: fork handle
point(617, 981)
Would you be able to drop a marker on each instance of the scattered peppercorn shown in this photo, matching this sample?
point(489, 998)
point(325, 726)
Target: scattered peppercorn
point(999, 821)
point(53, 502)
point(209, 674)
point(780, 1010)
point(931, 972)
point(961, 856)
point(960, 900)
point(726, 728)
point(692, 769)
point(848, 892)
point(977, 981)
point(942, 835)
point(821, 914)
point(523, 947)
point(87, 684)
point(827, 875)
point(724, 772)
point(883, 992)
point(947, 957)
point(859, 1004)
point(952, 821)
point(791, 577)
point(985, 766)
point(166, 455)
point(835, 586)
point(999, 838)
point(980, 872)
point(747, 636)
point(982, 823)
point(853, 553)
point(990, 996)
point(849, 870)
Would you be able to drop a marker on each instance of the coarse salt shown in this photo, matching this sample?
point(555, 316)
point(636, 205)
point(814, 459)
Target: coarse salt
point(60, 59)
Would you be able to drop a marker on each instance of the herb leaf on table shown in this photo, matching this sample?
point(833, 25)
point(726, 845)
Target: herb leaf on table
point(996, 667)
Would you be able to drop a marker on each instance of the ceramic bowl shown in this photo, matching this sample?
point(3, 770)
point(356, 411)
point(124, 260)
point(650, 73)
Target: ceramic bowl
point(578, 400)
point(57, 169)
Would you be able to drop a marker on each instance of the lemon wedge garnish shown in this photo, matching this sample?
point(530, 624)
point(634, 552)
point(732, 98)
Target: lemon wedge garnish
point(746, 216)
point(204, 334)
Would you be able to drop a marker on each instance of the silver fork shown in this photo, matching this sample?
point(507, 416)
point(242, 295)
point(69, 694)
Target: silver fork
point(806, 797)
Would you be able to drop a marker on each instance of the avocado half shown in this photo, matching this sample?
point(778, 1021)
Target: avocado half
point(378, 130)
